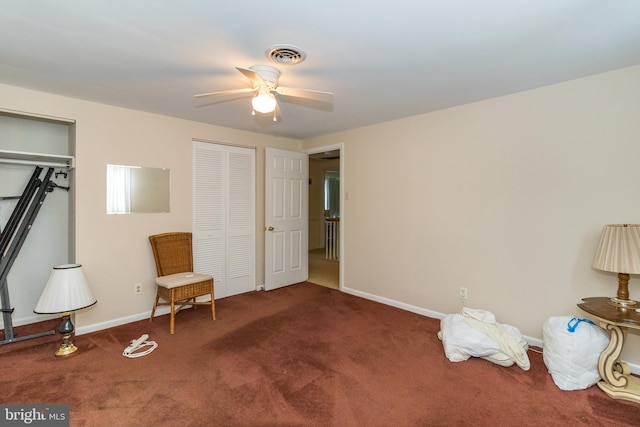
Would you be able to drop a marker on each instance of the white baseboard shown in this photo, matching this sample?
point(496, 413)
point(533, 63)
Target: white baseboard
point(160, 311)
point(635, 368)
point(394, 303)
point(120, 321)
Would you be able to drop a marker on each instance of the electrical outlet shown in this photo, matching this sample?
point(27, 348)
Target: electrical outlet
point(137, 288)
point(463, 293)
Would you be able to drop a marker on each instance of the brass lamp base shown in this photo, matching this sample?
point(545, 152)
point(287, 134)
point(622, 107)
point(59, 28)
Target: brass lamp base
point(66, 330)
point(67, 347)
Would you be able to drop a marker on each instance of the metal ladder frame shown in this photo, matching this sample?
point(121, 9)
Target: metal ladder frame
point(12, 239)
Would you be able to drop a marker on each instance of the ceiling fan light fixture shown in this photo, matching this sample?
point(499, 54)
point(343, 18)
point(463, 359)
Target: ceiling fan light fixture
point(264, 102)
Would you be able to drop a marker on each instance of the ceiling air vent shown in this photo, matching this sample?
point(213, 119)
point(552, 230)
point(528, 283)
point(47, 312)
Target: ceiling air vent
point(286, 54)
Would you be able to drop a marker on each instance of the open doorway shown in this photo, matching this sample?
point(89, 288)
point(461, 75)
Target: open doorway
point(325, 217)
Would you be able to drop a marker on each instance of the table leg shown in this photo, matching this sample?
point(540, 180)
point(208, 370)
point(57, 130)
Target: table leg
point(616, 379)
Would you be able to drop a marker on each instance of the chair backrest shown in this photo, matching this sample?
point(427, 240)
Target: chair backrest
point(172, 253)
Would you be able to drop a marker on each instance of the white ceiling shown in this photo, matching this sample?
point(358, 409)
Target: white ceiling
point(382, 59)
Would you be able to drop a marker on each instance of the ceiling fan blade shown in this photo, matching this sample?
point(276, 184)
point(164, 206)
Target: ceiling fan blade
point(252, 76)
point(225, 92)
point(316, 95)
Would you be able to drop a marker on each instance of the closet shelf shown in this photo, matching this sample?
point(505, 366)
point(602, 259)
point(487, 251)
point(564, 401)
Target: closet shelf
point(37, 159)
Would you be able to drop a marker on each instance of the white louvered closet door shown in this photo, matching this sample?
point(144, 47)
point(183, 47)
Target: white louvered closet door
point(224, 216)
point(241, 220)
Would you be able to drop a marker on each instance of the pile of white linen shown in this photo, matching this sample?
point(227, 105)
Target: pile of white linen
point(476, 333)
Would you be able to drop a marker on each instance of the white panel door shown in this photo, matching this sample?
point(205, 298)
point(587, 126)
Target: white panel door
point(224, 216)
point(286, 223)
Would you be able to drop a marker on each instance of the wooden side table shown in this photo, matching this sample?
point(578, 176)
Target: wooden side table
point(617, 380)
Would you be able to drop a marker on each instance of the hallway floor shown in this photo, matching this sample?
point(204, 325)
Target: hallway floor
point(322, 271)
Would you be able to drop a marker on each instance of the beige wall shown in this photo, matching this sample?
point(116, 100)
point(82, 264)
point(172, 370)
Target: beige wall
point(506, 197)
point(114, 249)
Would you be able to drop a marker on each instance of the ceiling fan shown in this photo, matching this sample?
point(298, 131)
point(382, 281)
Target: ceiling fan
point(264, 81)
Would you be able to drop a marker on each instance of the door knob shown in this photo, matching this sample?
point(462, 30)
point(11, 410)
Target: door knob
point(270, 228)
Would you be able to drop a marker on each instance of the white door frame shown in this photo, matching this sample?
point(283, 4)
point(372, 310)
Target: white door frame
point(343, 198)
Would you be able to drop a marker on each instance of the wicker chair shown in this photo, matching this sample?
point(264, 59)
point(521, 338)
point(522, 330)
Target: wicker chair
point(176, 281)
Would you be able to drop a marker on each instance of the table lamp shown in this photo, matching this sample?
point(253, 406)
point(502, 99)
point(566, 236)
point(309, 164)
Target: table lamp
point(618, 251)
point(66, 291)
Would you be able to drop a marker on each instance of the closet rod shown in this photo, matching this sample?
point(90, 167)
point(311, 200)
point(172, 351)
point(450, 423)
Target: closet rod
point(36, 159)
point(36, 163)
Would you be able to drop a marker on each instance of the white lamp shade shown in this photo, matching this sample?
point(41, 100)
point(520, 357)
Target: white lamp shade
point(618, 250)
point(67, 290)
point(264, 102)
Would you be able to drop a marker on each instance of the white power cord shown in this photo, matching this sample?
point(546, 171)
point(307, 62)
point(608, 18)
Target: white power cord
point(132, 351)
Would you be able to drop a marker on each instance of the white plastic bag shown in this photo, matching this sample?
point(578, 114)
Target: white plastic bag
point(571, 351)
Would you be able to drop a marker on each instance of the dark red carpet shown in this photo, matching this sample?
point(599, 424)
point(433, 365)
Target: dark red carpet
point(302, 355)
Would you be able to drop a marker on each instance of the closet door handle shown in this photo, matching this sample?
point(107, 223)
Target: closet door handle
point(270, 228)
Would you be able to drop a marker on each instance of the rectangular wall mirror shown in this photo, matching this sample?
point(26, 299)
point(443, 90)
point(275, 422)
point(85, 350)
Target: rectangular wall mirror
point(136, 189)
